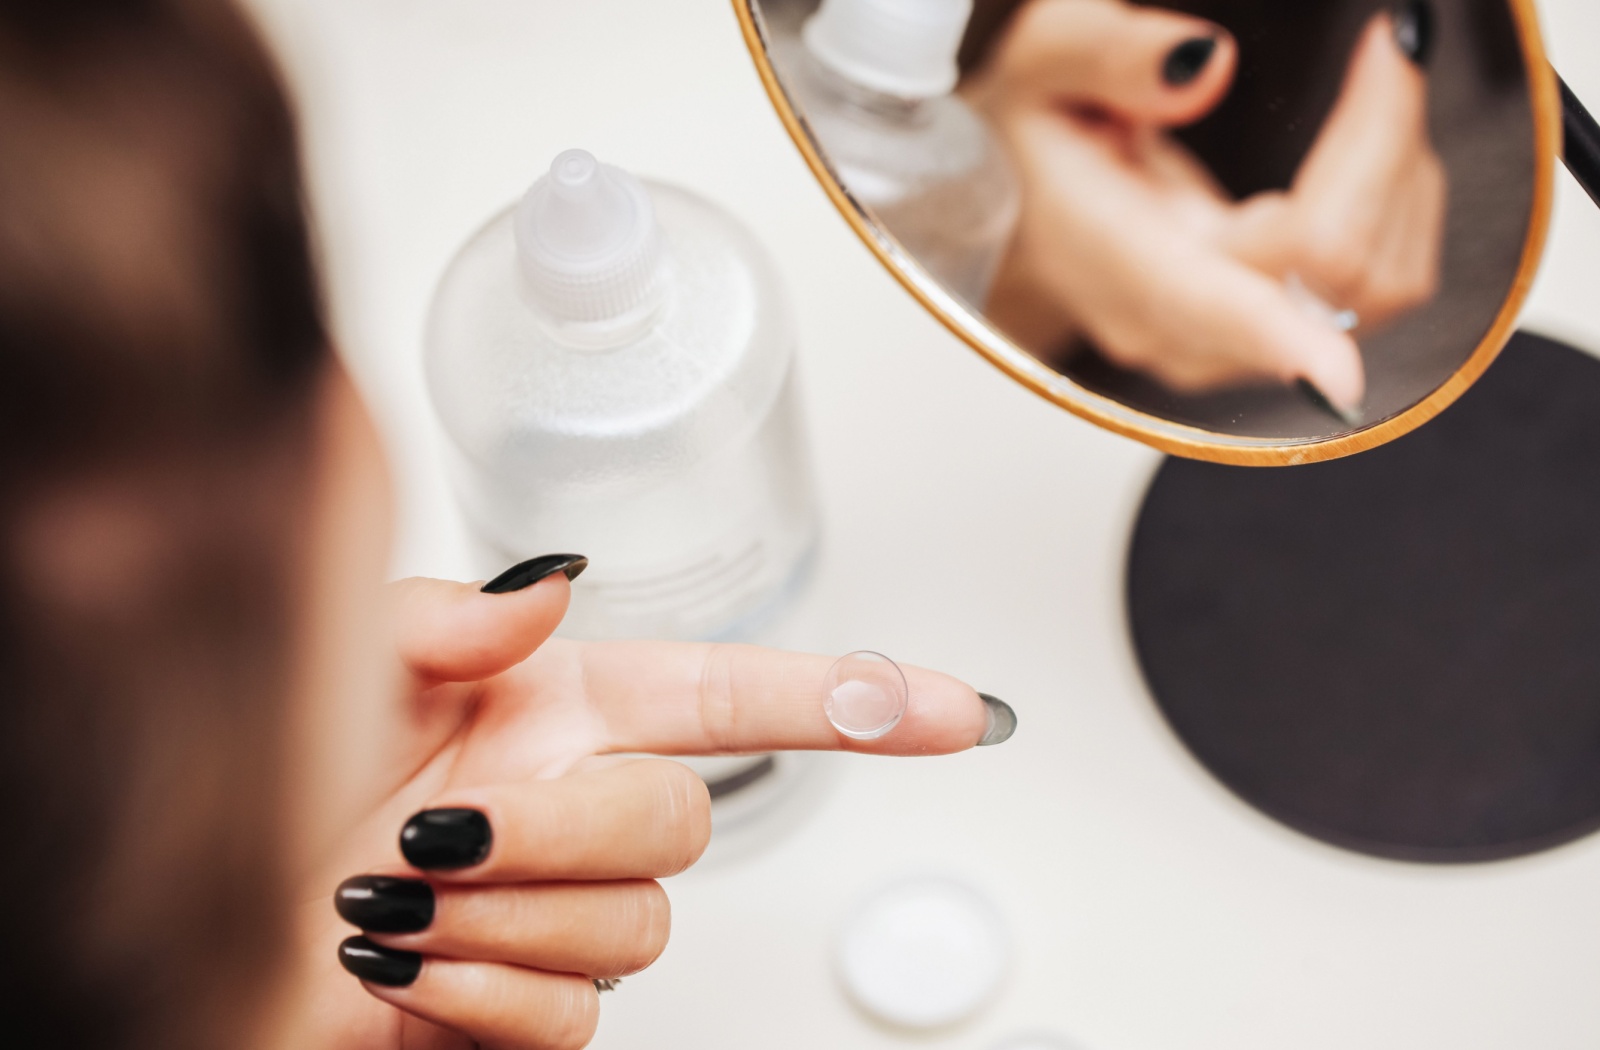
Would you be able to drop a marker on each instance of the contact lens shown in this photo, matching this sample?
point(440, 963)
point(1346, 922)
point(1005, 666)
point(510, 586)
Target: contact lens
point(864, 695)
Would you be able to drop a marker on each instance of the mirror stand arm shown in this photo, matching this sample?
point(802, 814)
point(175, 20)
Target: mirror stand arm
point(1581, 142)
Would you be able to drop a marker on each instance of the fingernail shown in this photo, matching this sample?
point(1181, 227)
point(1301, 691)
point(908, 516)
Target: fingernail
point(530, 572)
point(371, 962)
point(1185, 61)
point(1413, 31)
point(1348, 416)
point(1002, 721)
point(444, 839)
point(380, 904)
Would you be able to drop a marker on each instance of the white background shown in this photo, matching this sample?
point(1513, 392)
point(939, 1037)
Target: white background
point(971, 527)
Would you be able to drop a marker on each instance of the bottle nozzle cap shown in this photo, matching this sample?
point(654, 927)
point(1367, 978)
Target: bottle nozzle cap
point(905, 48)
point(587, 242)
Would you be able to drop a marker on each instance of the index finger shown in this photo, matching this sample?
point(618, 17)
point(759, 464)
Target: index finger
point(1378, 125)
point(1372, 148)
point(670, 698)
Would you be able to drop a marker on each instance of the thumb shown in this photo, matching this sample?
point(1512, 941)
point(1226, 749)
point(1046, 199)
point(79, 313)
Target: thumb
point(1139, 64)
point(462, 632)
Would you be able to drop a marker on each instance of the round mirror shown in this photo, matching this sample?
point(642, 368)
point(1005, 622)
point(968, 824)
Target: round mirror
point(1255, 233)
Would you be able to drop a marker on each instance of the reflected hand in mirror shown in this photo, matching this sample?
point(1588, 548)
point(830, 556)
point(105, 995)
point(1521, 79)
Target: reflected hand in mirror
point(1234, 230)
point(1127, 241)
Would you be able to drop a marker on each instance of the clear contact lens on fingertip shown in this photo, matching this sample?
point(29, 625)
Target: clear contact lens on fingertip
point(865, 695)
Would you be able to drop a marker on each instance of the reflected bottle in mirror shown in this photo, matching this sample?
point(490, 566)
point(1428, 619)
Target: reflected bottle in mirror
point(873, 80)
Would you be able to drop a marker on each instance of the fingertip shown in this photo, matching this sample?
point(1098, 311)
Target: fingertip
point(379, 967)
point(1195, 74)
point(535, 570)
point(945, 716)
point(1333, 364)
point(1282, 339)
point(1001, 722)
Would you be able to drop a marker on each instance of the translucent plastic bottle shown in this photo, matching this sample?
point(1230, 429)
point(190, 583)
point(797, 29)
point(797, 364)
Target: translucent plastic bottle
point(873, 80)
point(613, 362)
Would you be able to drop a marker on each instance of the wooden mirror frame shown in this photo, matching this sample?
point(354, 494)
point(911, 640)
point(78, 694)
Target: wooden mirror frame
point(1176, 438)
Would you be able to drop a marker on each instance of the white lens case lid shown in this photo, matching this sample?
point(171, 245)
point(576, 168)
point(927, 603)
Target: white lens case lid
point(924, 954)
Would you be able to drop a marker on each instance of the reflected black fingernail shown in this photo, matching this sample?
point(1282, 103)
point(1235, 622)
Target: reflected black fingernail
point(443, 839)
point(376, 964)
point(381, 904)
point(530, 572)
point(1313, 394)
point(1413, 31)
point(1185, 61)
point(1002, 721)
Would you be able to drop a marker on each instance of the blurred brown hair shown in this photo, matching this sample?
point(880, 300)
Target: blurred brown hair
point(161, 337)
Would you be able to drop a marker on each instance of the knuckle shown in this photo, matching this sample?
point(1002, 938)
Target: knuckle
point(1424, 288)
point(718, 711)
point(685, 811)
point(649, 926)
point(1423, 281)
point(1338, 259)
point(575, 1017)
point(1383, 302)
point(1190, 378)
point(675, 782)
point(656, 924)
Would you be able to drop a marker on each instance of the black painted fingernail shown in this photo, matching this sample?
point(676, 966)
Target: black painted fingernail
point(438, 839)
point(381, 904)
point(376, 964)
point(1002, 721)
point(530, 572)
point(1413, 31)
point(1312, 393)
point(1185, 61)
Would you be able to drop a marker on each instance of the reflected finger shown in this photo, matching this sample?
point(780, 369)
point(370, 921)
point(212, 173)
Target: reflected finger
point(1140, 63)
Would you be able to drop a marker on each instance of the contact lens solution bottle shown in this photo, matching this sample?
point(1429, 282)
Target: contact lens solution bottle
point(613, 362)
point(874, 81)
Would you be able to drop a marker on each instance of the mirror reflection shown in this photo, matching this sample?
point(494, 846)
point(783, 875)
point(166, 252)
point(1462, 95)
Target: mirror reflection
point(1267, 220)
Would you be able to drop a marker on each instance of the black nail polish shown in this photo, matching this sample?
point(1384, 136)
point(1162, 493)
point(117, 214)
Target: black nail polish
point(1312, 393)
point(376, 964)
point(1002, 721)
point(1413, 31)
point(443, 839)
point(1185, 61)
point(530, 572)
point(380, 904)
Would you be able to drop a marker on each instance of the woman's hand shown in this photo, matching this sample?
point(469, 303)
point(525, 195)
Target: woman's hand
point(1126, 239)
point(530, 846)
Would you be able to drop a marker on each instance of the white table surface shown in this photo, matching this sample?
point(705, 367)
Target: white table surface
point(970, 526)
